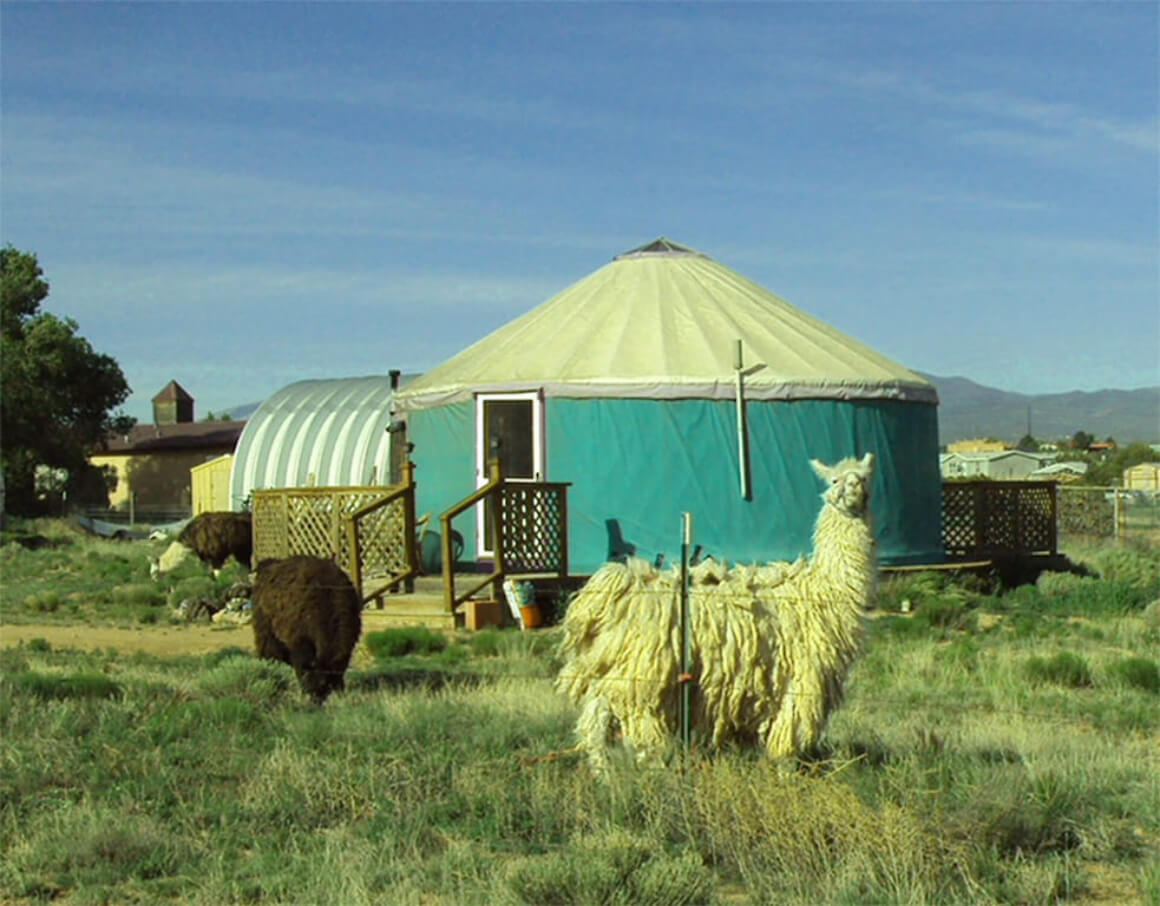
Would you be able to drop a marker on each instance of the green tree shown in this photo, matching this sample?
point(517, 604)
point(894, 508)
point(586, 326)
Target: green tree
point(56, 393)
point(1110, 470)
point(1081, 440)
point(1027, 444)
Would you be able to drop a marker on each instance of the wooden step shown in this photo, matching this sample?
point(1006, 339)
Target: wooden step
point(396, 618)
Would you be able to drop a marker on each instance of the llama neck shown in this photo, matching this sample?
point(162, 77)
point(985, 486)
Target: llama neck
point(844, 551)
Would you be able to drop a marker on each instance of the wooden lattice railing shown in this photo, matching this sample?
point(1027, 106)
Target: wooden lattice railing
point(534, 524)
point(982, 519)
point(368, 531)
point(382, 540)
point(530, 537)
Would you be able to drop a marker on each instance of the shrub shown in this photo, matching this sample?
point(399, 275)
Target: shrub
point(405, 640)
point(1064, 669)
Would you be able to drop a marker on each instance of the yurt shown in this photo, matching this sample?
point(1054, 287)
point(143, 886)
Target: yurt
point(318, 433)
point(666, 383)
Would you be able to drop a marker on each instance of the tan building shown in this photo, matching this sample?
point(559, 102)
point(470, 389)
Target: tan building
point(1007, 465)
point(977, 445)
point(1143, 477)
point(152, 462)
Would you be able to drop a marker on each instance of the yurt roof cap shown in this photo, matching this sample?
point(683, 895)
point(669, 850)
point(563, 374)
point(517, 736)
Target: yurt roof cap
point(661, 247)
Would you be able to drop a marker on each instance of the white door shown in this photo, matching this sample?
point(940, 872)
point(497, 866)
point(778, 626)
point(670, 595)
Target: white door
point(512, 425)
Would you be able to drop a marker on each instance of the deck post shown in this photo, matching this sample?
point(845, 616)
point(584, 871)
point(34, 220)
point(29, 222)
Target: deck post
point(409, 540)
point(495, 501)
point(355, 557)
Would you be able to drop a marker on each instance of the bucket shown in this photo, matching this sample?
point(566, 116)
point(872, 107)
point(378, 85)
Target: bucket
point(531, 615)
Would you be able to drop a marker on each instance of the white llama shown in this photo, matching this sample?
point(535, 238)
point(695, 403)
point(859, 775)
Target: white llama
point(771, 645)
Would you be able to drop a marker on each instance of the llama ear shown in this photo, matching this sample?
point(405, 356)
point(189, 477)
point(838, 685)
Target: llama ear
point(824, 471)
point(867, 463)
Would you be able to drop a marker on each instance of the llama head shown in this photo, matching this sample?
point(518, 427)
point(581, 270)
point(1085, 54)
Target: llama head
point(848, 483)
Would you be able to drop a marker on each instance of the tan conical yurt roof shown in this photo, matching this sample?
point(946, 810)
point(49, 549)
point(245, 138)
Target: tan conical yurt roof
point(662, 322)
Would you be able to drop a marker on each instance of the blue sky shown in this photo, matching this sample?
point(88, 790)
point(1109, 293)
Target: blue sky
point(239, 196)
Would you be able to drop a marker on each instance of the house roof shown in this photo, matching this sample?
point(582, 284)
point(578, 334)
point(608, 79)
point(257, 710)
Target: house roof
point(662, 321)
point(172, 392)
point(184, 436)
point(1075, 468)
point(991, 456)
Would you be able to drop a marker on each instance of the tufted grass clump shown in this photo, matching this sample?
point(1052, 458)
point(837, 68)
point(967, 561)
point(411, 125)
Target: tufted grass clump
point(247, 678)
point(1063, 669)
point(98, 850)
point(1137, 673)
point(614, 868)
point(1134, 566)
point(60, 687)
point(405, 640)
point(138, 594)
point(47, 601)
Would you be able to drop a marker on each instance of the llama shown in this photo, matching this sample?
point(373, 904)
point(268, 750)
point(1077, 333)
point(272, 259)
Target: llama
point(307, 614)
point(213, 538)
point(771, 645)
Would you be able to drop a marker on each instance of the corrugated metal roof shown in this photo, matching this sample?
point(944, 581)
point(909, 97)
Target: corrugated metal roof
point(322, 433)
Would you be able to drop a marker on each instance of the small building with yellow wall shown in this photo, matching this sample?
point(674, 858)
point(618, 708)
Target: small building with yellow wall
point(152, 463)
point(1143, 477)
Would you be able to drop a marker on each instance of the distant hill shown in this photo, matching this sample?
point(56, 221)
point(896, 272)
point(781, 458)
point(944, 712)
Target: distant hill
point(967, 410)
point(244, 411)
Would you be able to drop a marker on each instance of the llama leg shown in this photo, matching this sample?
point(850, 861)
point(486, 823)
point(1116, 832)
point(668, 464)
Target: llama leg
point(647, 735)
point(594, 729)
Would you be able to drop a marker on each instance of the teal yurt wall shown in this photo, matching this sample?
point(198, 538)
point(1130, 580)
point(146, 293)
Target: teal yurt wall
point(632, 372)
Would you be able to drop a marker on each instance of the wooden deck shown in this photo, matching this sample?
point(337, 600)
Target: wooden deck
point(422, 607)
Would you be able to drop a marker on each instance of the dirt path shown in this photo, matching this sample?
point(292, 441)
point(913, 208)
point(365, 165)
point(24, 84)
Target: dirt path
point(164, 641)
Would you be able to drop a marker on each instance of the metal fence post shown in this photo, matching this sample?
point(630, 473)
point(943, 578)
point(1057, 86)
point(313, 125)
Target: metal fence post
point(686, 677)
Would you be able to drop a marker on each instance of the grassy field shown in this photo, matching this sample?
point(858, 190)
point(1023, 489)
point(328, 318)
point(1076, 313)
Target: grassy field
point(993, 749)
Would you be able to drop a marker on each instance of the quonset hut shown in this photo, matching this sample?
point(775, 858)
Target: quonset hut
point(625, 384)
point(319, 433)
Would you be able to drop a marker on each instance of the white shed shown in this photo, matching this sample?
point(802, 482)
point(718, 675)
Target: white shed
point(318, 433)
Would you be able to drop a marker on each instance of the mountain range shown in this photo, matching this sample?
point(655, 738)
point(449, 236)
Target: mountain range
point(969, 410)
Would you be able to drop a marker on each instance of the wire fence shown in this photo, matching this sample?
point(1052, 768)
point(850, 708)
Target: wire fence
point(1106, 512)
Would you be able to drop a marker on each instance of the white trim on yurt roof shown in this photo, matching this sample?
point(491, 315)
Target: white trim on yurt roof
point(321, 433)
point(662, 321)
